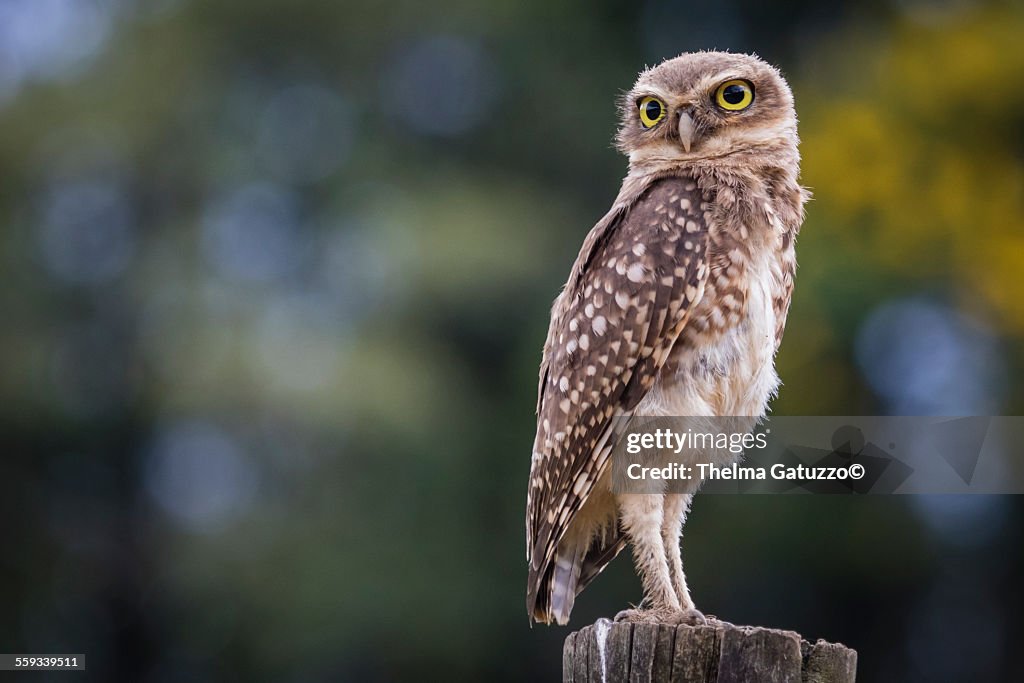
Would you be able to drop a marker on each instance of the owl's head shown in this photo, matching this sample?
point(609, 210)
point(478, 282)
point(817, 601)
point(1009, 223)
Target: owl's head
point(705, 106)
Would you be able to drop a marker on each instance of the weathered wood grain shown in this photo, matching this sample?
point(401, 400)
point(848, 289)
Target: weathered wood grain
point(718, 652)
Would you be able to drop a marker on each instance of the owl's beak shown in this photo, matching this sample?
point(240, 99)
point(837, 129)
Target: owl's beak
point(686, 130)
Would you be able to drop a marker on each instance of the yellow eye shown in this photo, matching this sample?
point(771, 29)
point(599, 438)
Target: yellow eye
point(652, 110)
point(734, 95)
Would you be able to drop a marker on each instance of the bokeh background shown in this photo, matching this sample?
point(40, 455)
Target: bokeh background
point(274, 279)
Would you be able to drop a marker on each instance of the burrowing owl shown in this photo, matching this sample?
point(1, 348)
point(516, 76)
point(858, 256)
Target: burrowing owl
point(675, 307)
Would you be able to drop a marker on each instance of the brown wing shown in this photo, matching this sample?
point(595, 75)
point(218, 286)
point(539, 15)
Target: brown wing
point(627, 299)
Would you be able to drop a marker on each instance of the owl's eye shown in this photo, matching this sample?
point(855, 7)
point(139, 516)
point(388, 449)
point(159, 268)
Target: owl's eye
point(652, 110)
point(735, 95)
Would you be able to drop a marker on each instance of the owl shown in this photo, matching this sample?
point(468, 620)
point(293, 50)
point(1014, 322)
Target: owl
point(675, 306)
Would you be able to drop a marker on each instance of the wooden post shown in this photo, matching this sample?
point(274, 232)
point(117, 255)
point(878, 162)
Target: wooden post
point(717, 653)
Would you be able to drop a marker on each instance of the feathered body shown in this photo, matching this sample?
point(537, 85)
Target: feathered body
point(675, 306)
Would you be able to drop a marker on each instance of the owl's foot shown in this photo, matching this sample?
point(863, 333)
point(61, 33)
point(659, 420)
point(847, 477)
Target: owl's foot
point(672, 617)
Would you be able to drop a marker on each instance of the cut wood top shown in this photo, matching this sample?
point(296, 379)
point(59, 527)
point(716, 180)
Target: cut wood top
point(719, 652)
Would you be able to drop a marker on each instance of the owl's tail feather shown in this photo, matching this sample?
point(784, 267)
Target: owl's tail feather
point(579, 557)
point(564, 579)
point(578, 562)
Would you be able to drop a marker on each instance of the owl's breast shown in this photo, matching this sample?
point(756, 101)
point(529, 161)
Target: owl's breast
point(723, 363)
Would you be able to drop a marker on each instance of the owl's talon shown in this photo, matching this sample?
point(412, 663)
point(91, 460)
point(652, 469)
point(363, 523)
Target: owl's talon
point(690, 617)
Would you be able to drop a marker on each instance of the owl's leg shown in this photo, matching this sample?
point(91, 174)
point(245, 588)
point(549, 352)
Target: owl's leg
point(642, 517)
point(676, 507)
